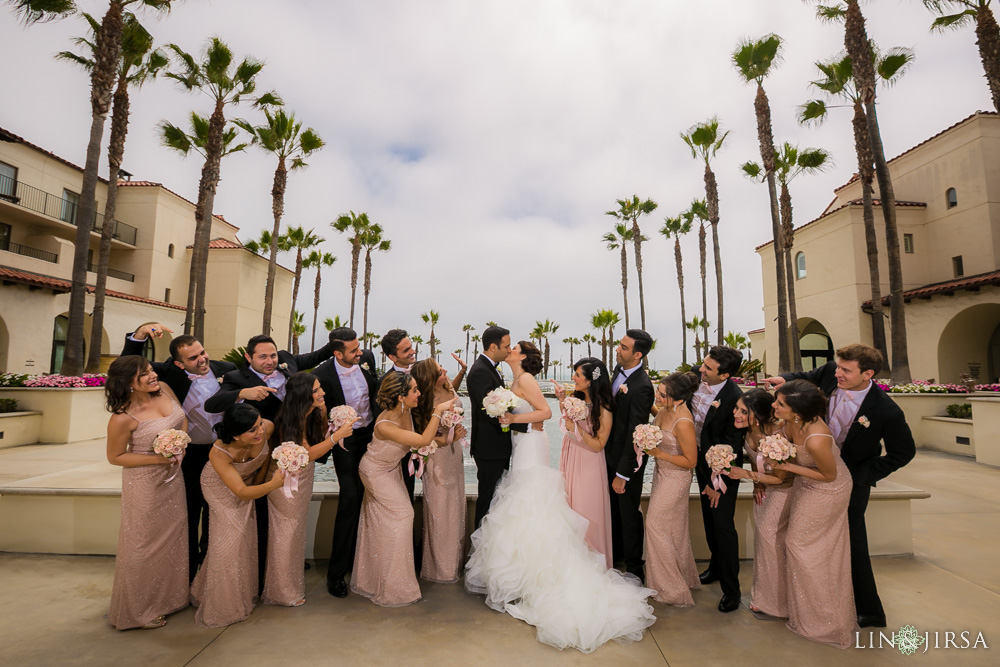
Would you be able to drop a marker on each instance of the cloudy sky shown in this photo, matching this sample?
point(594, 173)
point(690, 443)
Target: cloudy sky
point(488, 138)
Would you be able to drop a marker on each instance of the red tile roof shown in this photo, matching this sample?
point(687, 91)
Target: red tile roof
point(971, 283)
point(853, 202)
point(755, 331)
point(60, 286)
point(221, 243)
point(150, 184)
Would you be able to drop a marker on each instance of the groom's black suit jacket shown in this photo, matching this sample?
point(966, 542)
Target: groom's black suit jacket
point(862, 450)
point(632, 408)
point(489, 441)
point(719, 428)
point(170, 373)
point(329, 379)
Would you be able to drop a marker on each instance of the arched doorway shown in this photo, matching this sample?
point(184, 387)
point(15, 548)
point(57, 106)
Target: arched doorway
point(970, 343)
point(815, 344)
point(60, 326)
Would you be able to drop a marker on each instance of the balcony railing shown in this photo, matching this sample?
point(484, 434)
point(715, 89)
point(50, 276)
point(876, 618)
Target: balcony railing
point(57, 207)
point(113, 273)
point(28, 251)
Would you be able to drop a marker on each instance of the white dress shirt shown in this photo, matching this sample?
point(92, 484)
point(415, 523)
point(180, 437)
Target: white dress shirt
point(702, 402)
point(844, 405)
point(621, 377)
point(276, 380)
point(355, 386)
point(200, 423)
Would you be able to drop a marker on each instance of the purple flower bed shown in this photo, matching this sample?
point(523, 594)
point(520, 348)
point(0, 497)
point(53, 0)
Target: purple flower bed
point(65, 381)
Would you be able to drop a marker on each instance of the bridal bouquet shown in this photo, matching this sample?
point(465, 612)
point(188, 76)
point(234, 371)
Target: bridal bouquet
point(644, 438)
point(777, 448)
point(340, 415)
point(420, 455)
point(498, 402)
point(575, 409)
point(171, 443)
point(452, 418)
point(719, 458)
point(291, 458)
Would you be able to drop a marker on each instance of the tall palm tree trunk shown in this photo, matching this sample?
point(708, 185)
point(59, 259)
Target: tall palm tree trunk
point(712, 201)
point(546, 354)
point(355, 260)
point(277, 210)
point(571, 355)
point(680, 287)
point(637, 243)
point(704, 279)
point(857, 43)
point(368, 289)
point(102, 80)
point(788, 239)
point(988, 39)
point(293, 341)
point(319, 272)
point(116, 150)
point(625, 282)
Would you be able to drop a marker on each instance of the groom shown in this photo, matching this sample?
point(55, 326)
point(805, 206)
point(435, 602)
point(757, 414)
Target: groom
point(491, 446)
point(633, 394)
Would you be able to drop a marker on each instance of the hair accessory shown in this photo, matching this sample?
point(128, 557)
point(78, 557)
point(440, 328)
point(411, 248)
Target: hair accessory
point(596, 373)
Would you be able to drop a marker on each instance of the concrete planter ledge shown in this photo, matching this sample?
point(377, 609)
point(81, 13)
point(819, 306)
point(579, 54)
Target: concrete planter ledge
point(70, 414)
point(19, 428)
point(986, 427)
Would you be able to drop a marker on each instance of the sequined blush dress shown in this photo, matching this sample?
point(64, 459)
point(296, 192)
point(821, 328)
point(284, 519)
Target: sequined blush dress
point(383, 563)
point(820, 592)
point(769, 591)
point(151, 566)
point(586, 475)
point(444, 515)
point(284, 580)
point(225, 588)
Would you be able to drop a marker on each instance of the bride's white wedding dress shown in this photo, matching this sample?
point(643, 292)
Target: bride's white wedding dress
point(530, 559)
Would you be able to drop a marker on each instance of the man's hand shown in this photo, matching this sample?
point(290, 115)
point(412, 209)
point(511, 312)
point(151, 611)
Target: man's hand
point(256, 393)
point(713, 496)
point(774, 382)
point(618, 485)
point(152, 330)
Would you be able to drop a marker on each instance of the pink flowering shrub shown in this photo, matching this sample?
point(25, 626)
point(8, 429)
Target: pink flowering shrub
point(65, 381)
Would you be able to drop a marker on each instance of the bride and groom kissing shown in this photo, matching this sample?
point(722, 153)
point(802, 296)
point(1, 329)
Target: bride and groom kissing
point(530, 553)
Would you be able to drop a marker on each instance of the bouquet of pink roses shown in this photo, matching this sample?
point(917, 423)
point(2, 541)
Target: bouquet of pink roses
point(719, 458)
point(575, 410)
point(644, 438)
point(452, 418)
point(340, 415)
point(774, 447)
point(291, 458)
point(170, 443)
point(420, 455)
point(499, 402)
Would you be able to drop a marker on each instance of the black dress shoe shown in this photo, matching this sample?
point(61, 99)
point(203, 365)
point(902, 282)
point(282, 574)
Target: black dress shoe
point(871, 621)
point(707, 577)
point(729, 603)
point(308, 566)
point(338, 588)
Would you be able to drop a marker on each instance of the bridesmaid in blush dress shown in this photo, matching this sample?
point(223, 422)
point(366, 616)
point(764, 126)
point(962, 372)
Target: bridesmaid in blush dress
point(582, 461)
point(443, 479)
point(152, 557)
point(820, 592)
point(302, 420)
point(225, 588)
point(772, 489)
point(670, 568)
point(383, 562)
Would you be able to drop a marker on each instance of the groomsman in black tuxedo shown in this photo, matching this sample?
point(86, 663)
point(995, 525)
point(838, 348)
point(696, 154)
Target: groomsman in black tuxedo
point(348, 379)
point(713, 406)
point(491, 445)
point(194, 378)
point(634, 398)
point(861, 418)
point(396, 345)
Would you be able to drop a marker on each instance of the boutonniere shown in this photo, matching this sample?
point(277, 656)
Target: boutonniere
point(715, 404)
point(283, 367)
point(623, 389)
point(864, 421)
point(220, 380)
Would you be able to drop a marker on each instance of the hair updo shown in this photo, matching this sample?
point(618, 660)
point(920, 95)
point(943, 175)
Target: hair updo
point(804, 399)
point(236, 420)
point(681, 386)
point(760, 404)
point(394, 386)
point(532, 362)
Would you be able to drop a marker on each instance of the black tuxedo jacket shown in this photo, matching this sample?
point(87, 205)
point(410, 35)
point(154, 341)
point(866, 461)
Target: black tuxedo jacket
point(862, 450)
point(719, 428)
point(631, 408)
point(173, 375)
point(242, 378)
point(329, 379)
point(489, 441)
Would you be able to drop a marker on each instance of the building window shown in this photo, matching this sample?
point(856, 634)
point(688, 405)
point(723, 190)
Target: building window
point(952, 198)
point(166, 295)
point(908, 243)
point(59, 328)
point(956, 263)
point(70, 202)
point(8, 182)
point(800, 266)
point(170, 250)
point(4, 236)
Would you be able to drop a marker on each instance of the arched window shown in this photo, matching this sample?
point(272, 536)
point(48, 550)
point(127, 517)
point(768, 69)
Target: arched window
point(59, 328)
point(800, 266)
point(952, 197)
point(170, 250)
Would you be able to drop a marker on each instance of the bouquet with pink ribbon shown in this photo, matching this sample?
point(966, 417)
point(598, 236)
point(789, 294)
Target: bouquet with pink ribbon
point(719, 458)
point(420, 456)
point(575, 410)
point(499, 402)
point(291, 459)
point(644, 438)
point(339, 416)
point(170, 444)
point(452, 418)
point(776, 448)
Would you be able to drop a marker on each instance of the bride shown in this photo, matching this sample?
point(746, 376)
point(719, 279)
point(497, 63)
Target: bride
point(529, 556)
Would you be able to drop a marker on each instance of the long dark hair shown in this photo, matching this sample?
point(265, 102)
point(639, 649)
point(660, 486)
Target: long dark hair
point(121, 374)
point(236, 420)
point(294, 421)
point(600, 389)
point(760, 404)
point(425, 373)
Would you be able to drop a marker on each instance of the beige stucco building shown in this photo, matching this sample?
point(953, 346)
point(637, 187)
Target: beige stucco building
point(948, 216)
point(149, 264)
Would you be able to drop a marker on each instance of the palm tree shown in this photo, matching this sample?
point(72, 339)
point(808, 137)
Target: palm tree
point(435, 352)
point(537, 334)
point(699, 211)
point(549, 328)
point(705, 141)
point(333, 323)
point(987, 33)
point(300, 240)
point(753, 60)
point(298, 328)
point(677, 227)
point(571, 341)
point(226, 84)
point(837, 83)
point(491, 323)
point(106, 51)
point(630, 210)
point(619, 240)
point(737, 341)
point(317, 259)
point(599, 321)
point(431, 318)
point(475, 341)
point(416, 340)
point(356, 226)
point(261, 245)
point(588, 339)
point(283, 137)
point(370, 339)
point(695, 325)
point(372, 239)
point(612, 319)
point(467, 328)
point(138, 63)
